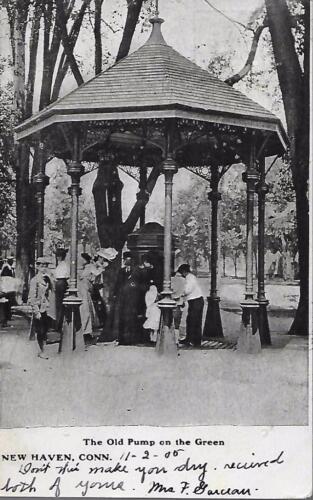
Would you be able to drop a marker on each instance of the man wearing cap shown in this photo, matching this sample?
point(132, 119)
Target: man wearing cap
point(39, 291)
point(194, 296)
point(61, 274)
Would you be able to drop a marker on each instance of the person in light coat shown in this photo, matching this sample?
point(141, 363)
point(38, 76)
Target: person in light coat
point(38, 298)
point(192, 293)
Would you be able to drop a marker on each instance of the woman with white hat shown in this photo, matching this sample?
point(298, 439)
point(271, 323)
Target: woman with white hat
point(91, 275)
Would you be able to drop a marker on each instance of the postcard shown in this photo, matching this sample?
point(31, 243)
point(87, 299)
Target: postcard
point(155, 250)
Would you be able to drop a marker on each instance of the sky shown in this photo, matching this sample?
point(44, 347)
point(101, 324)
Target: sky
point(194, 29)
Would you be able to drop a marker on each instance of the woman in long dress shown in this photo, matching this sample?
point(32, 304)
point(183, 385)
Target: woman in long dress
point(132, 304)
point(153, 312)
point(87, 278)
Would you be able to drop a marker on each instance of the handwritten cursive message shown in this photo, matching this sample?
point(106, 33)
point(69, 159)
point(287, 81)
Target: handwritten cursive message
point(128, 466)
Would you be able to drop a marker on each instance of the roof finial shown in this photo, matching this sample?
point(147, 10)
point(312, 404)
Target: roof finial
point(156, 37)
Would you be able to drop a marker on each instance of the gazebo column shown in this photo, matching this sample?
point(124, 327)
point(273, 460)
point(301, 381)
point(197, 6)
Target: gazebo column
point(213, 324)
point(249, 341)
point(166, 340)
point(262, 190)
point(72, 301)
point(41, 181)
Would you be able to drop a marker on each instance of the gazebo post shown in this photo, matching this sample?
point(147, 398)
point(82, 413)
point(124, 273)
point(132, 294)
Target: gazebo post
point(213, 324)
point(166, 339)
point(40, 181)
point(249, 341)
point(72, 301)
point(262, 190)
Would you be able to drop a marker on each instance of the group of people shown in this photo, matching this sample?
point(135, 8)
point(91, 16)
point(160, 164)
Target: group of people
point(135, 298)
point(49, 288)
point(140, 315)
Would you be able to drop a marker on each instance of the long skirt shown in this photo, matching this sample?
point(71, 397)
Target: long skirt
point(130, 317)
point(60, 289)
point(88, 316)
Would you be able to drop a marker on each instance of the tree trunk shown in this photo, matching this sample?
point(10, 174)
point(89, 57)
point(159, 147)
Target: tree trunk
point(133, 11)
point(64, 61)
point(107, 193)
point(300, 325)
point(235, 266)
point(295, 92)
point(33, 49)
point(21, 151)
point(68, 49)
point(224, 264)
point(23, 249)
point(97, 34)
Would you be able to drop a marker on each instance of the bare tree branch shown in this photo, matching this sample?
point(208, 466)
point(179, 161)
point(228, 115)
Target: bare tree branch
point(250, 59)
point(110, 27)
point(233, 21)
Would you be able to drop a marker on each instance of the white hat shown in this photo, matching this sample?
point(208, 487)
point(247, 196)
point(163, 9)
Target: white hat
point(107, 253)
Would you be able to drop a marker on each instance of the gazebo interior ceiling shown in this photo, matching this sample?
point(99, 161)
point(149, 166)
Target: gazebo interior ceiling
point(130, 143)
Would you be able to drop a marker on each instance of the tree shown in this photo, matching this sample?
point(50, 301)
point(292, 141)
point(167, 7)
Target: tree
point(7, 178)
point(289, 27)
point(280, 217)
point(60, 23)
point(191, 223)
point(25, 16)
point(58, 213)
point(295, 88)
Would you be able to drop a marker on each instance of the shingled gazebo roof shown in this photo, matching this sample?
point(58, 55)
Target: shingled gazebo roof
point(156, 81)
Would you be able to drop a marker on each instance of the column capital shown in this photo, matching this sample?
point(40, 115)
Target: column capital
point(251, 175)
point(75, 169)
point(169, 165)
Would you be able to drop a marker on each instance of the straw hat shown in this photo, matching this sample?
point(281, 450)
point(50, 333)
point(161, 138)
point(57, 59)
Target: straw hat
point(107, 253)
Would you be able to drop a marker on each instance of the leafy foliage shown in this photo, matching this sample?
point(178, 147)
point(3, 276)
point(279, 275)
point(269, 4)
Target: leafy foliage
point(191, 222)
point(7, 177)
point(280, 213)
point(58, 212)
point(192, 216)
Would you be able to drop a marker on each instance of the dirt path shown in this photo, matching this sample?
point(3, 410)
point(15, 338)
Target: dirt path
point(110, 385)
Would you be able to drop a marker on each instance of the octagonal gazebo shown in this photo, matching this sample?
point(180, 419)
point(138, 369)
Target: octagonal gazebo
point(156, 108)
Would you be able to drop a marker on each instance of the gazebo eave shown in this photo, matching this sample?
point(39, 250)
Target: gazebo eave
point(51, 117)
